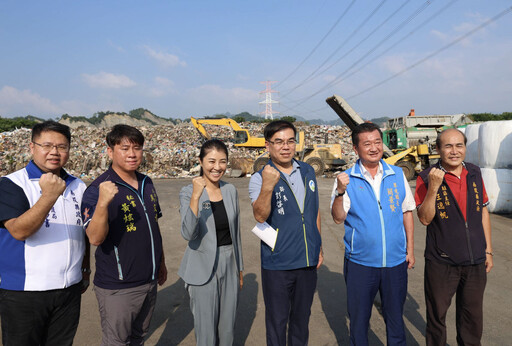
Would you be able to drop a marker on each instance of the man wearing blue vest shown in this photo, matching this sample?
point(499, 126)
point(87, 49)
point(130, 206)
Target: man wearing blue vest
point(375, 202)
point(120, 211)
point(285, 195)
point(42, 245)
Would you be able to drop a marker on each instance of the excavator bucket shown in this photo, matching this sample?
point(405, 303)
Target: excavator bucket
point(240, 166)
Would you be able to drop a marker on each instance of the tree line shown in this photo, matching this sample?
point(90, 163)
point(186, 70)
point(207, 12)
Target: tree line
point(479, 117)
point(9, 124)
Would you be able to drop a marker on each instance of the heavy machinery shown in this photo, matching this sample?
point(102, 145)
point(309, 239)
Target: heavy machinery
point(404, 132)
point(242, 136)
point(321, 157)
point(413, 147)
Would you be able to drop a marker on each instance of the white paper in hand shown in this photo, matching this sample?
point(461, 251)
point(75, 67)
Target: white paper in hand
point(266, 233)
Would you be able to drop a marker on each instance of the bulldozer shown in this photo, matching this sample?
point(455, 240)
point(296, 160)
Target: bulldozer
point(412, 158)
point(321, 157)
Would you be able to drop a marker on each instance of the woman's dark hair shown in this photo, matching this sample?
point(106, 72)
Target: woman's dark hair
point(361, 128)
point(209, 145)
point(276, 126)
point(121, 131)
point(50, 125)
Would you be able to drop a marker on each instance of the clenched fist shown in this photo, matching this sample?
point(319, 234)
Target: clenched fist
point(435, 178)
point(198, 185)
point(270, 176)
point(343, 180)
point(108, 190)
point(52, 185)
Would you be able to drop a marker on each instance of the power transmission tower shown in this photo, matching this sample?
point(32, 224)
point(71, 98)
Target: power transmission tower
point(269, 113)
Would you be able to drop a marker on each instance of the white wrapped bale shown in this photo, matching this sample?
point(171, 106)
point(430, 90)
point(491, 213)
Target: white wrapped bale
point(495, 144)
point(498, 184)
point(472, 144)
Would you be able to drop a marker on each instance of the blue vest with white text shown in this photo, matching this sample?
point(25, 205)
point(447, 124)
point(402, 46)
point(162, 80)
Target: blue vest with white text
point(374, 230)
point(298, 239)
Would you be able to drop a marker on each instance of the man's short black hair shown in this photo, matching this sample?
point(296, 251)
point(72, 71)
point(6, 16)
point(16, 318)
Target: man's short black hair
point(438, 139)
point(121, 131)
point(361, 128)
point(276, 126)
point(50, 125)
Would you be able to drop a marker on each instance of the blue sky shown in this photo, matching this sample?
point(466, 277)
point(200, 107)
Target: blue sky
point(196, 58)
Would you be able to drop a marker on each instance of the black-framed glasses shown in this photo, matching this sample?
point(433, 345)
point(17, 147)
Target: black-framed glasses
point(47, 147)
point(280, 143)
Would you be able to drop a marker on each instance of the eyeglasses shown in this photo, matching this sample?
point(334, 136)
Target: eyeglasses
point(280, 143)
point(47, 147)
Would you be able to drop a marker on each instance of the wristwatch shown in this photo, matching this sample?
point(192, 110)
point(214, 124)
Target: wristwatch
point(338, 194)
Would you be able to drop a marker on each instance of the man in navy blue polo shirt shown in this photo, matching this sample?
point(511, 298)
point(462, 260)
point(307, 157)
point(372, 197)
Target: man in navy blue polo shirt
point(285, 195)
point(120, 211)
point(42, 245)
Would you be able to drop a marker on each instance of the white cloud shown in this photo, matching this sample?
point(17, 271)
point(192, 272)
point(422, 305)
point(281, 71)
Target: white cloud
point(115, 46)
point(162, 86)
point(166, 59)
point(108, 80)
point(462, 28)
point(161, 81)
point(328, 78)
point(242, 77)
point(23, 102)
point(440, 35)
point(15, 102)
point(220, 95)
point(210, 99)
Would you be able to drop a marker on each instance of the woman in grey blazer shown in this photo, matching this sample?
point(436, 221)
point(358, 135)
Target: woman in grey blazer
point(212, 265)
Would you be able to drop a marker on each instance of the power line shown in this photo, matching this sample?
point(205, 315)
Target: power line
point(393, 32)
point(454, 42)
point(297, 111)
point(352, 34)
point(306, 28)
point(429, 19)
point(363, 40)
point(319, 43)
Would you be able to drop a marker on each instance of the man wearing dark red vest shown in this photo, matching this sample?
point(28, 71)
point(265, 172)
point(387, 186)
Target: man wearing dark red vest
point(452, 203)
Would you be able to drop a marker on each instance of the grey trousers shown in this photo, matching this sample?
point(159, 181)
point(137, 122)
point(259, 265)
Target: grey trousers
point(214, 303)
point(126, 313)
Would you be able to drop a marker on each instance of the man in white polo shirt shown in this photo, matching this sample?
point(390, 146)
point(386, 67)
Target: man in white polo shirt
point(42, 245)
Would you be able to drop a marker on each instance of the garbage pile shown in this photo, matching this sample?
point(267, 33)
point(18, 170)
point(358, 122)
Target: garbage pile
point(170, 151)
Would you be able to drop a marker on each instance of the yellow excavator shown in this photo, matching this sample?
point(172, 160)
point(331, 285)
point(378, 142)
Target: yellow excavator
point(321, 157)
point(242, 136)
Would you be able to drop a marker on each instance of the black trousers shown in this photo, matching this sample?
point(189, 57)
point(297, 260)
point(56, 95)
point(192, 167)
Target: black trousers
point(442, 281)
point(288, 296)
point(43, 318)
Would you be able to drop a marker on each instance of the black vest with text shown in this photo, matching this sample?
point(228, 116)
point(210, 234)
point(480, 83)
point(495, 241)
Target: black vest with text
point(450, 238)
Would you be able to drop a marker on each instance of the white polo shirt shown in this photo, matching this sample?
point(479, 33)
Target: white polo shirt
point(52, 257)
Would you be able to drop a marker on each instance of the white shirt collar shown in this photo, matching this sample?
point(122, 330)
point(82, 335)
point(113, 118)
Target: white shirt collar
point(367, 174)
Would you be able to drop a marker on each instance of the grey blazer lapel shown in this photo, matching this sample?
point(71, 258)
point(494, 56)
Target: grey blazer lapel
point(227, 197)
point(207, 215)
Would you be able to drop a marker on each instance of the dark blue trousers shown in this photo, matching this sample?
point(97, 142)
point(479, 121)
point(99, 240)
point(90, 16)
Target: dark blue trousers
point(363, 283)
point(288, 296)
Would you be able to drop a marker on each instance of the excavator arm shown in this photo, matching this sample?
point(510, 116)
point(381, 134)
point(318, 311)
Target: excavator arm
point(242, 136)
point(200, 128)
point(349, 116)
